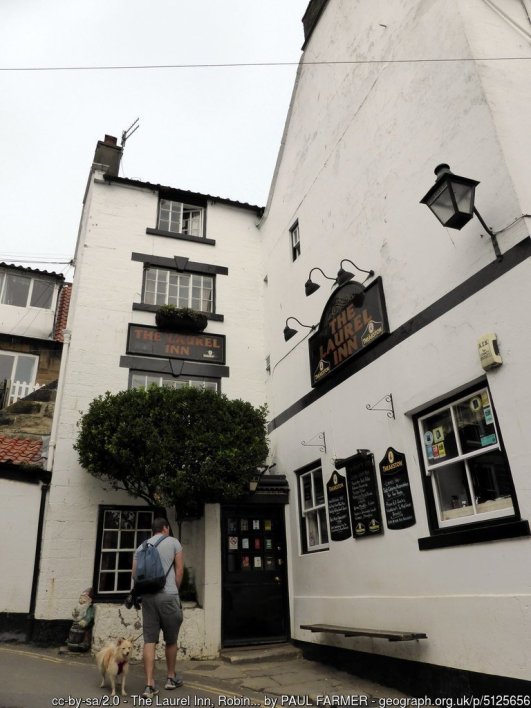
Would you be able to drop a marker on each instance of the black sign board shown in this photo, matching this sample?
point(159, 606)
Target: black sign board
point(398, 502)
point(346, 330)
point(338, 513)
point(363, 495)
point(151, 341)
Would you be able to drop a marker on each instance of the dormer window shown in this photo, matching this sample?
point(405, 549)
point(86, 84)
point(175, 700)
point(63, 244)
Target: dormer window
point(180, 218)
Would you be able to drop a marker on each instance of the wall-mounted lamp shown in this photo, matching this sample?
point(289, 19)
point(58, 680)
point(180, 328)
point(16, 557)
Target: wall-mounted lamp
point(253, 483)
point(309, 286)
point(342, 277)
point(289, 332)
point(451, 199)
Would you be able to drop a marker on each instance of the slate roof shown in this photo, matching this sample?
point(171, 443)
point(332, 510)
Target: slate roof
point(20, 451)
point(24, 269)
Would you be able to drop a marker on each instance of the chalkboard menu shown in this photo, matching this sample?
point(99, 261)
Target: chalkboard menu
point(398, 502)
point(338, 513)
point(363, 495)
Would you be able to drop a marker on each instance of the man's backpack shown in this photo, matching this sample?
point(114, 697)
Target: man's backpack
point(150, 576)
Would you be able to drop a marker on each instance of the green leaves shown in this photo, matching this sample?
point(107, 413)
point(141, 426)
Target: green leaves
point(176, 447)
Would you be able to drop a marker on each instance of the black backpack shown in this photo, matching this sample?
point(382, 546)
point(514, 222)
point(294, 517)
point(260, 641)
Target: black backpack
point(150, 576)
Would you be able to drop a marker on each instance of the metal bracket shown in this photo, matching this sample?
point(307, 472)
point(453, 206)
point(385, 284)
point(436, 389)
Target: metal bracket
point(388, 399)
point(321, 445)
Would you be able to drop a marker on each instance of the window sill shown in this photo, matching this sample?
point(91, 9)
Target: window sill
point(214, 316)
point(478, 534)
point(181, 237)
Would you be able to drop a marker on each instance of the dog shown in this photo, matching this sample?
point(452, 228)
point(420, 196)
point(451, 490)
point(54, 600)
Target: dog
point(113, 661)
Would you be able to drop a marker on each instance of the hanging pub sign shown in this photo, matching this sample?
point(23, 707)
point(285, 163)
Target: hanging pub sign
point(151, 341)
point(362, 488)
point(346, 330)
point(398, 502)
point(338, 513)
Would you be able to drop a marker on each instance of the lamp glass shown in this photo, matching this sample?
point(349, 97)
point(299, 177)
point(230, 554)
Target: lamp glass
point(451, 199)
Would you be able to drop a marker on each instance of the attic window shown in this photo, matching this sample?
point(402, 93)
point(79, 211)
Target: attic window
point(180, 218)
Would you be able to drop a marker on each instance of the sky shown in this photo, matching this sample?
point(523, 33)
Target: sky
point(214, 130)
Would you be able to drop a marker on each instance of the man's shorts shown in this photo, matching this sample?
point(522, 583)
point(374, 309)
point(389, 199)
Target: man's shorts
point(161, 611)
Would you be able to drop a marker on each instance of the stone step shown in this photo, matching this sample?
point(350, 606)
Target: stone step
point(260, 654)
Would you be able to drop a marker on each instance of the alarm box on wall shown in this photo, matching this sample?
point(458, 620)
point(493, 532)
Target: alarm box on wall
point(489, 354)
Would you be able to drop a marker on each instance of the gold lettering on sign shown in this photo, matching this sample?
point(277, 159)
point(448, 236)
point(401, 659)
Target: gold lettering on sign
point(344, 328)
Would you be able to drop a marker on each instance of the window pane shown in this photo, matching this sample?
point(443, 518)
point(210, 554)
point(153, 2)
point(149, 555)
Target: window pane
point(128, 520)
point(124, 581)
point(125, 561)
point(106, 583)
point(110, 539)
point(491, 480)
point(307, 491)
point(42, 293)
point(475, 423)
point(439, 437)
point(312, 529)
point(323, 525)
point(25, 368)
point(6, 366)
point(108, 561)
point(127, 539)
point(454, 494)
point(16, 290)
point(145, 519)
point(318, 487)
point(111, 520)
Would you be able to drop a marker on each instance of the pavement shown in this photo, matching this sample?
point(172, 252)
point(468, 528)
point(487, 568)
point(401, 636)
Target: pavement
point(272, 676)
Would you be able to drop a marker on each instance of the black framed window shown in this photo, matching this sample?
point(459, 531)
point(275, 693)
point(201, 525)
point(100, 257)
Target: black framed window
point(295, 241)
point(313, 516)
point(467, 478)
point(120, 531)
point(163, 286)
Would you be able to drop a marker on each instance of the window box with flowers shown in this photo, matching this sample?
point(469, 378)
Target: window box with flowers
point(179, 319)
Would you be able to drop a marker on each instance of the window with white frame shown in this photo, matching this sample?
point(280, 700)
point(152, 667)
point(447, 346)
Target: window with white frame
point(312, 508)
point(120, 532)
point(465, 463)
point(23, 290)
point(140, 379)
point(169, 287)
point(20, 370)
point(295, 241)
point(180, 218)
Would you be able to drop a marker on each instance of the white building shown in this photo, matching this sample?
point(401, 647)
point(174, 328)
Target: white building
point(433, 512)
point(141, 245)
point(405, 453)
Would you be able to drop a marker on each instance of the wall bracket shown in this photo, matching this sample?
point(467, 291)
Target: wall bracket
point(388, 399)
point(321, 445)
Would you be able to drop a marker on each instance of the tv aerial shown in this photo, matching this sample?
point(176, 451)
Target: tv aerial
point(126, 134)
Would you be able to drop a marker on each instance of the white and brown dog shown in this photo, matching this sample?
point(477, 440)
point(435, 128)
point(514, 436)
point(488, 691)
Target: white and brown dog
point(113, 662)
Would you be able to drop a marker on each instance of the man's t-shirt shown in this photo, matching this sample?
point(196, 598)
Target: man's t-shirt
point(167, 550)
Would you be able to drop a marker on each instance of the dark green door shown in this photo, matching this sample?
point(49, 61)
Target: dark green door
point(254, 600)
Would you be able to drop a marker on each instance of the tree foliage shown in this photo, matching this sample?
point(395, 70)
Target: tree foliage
point(173, 447)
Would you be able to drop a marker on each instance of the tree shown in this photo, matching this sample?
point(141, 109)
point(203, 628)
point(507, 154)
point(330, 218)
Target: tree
point(173, 447)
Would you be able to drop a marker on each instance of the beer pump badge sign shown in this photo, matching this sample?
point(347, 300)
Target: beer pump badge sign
point(345, 330)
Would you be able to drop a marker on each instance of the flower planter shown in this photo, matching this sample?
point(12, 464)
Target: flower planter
point(179, 321)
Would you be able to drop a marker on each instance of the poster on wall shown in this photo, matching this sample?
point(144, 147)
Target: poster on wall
point(338, 512)
point(398, 502)
point(362, 487)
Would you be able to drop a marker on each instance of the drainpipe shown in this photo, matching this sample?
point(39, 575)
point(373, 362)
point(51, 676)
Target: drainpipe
point(46, 485)
point(36, 566)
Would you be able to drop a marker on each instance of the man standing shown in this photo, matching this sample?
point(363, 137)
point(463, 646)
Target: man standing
point(162, 610)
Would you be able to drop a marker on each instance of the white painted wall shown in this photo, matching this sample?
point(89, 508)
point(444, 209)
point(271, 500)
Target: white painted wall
point(19, 517)
point(359, 150)
point(27, 321)
point(107, 283)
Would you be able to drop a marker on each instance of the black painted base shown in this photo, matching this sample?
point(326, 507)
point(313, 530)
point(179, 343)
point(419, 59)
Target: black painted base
point(18, 627)
point(416, 678)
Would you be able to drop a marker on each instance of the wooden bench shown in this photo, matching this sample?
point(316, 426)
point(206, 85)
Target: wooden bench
point(391, 634)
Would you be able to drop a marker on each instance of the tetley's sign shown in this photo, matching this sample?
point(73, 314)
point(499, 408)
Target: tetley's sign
point(346, 330)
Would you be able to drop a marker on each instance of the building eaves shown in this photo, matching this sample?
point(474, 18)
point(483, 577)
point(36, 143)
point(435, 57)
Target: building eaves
point(21, 451)
point(193, 195)
point(58, 276)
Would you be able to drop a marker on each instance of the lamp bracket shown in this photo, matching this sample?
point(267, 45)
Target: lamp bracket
point(492, 235)
point(388, 399)
point(321, 445)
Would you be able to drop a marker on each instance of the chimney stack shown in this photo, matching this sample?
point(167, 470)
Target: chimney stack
point(108, 155)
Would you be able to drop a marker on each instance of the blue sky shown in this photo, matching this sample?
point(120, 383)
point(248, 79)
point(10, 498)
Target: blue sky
point(214, 130)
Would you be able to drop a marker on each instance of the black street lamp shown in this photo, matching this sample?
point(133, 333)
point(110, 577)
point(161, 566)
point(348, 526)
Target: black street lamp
point(289, 332)
point(451, 199)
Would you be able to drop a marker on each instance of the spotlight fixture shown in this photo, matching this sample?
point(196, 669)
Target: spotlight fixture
point(309, 286)
point(289, 332)
point(451, 199)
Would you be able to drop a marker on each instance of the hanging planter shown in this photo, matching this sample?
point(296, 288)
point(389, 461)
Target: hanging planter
point(178, 319)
